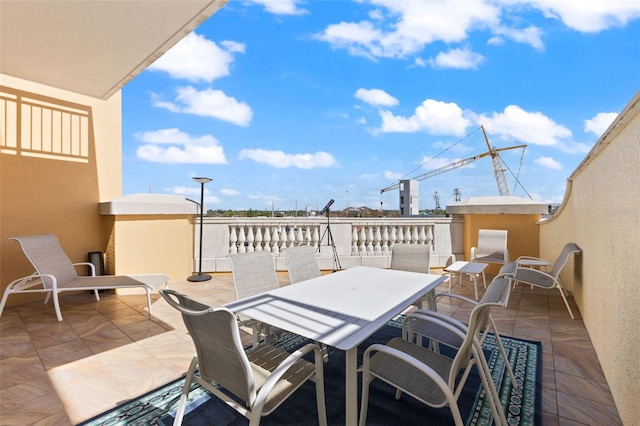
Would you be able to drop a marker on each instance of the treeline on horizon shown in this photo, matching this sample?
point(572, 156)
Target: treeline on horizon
point(347, 212)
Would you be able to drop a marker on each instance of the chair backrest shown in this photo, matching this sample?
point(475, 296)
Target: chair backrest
point(411, 257)
point(561, 261)
point(302, 263)
point(216, 336)
point(47, 257)
point(253, 273)
point(492, 243)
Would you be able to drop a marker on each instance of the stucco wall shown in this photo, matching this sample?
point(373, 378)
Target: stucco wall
point(601, 213)
point(522, 234)
point(151, 244)
point(45, 195)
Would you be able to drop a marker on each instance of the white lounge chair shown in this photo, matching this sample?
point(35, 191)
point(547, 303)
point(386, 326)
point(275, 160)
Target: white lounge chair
point(55, 273)
point(548, 280)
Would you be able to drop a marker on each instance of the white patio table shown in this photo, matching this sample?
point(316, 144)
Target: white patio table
point(341, 309)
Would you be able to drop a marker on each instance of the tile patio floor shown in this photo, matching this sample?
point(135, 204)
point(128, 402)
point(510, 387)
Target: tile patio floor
point(103, 353)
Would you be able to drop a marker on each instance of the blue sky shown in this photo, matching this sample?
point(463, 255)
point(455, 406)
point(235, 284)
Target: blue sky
point(288, 103)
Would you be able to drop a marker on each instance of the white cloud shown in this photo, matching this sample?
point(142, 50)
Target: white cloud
point(228, 191)
point(548, 162)
point(530, 35)
point(172, 146)
point(600, 122)
point(282, 7)
point(196, 58)
point(208, 103)
point(376, 97)
point(392, 175)
point(434, 117)
point(457, 58)
point(408, 26)
point(528, 127)
point(402, 28)
point(280, 159)
point(591, 15)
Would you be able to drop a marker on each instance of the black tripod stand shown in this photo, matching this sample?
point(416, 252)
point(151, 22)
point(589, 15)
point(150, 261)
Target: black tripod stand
point(330, 242)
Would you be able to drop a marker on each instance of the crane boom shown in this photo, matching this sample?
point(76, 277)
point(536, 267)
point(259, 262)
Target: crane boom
point(498, 167)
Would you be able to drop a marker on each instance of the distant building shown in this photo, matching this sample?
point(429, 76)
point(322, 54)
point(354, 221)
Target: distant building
point(409, 197)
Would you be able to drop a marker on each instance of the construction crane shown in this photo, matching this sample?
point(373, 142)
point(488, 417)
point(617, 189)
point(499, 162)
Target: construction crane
point(498, 167)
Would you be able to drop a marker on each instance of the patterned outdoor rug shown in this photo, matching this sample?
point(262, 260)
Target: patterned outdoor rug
point(522, 403)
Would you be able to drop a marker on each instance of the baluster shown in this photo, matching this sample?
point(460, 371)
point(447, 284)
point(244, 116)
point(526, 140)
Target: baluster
point(250, 239)
point(299, 236)
point(414, 235)
point(258, 245)
point(354, 240)
point(376, 240)
point(307, 235)
point(394, 237)
point(421, 235)
point(291, 237)
point(276, 238)
point(407, 235)
point(267, 239)
point(362, 249)
point(233, 240)
point(369, 239)
point(316, 236)
point(429, 236)
point(400, 239)
point(241, 240)
point(385, 239)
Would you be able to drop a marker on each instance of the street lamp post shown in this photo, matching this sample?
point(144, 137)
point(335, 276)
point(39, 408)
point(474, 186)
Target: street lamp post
point(200, 276)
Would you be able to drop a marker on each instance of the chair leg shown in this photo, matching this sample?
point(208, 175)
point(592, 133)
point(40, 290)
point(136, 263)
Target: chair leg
point(566, 302)
point(502, 350)
point(56, 305)
point(5, 296)
point(148, 299)
point(364, 402)
point(184, 396)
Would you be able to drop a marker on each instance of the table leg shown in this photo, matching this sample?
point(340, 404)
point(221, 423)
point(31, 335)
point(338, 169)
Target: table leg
point(351, 386)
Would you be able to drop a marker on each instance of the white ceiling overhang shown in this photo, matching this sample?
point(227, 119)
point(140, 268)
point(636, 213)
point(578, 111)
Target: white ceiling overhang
point(92, 47)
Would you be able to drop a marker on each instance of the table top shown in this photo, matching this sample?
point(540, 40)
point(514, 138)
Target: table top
point(340, 309)
point(466, 267)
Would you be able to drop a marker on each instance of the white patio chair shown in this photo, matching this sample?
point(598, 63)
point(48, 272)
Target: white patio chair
point(497, 294)
point(302, 263)
point(412, 258)
point(262, 378)
point(548, 280)
point(55, 273)
point(427, 375)
point(254, 273)
point(492, 247)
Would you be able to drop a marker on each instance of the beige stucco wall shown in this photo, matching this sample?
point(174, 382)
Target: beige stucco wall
point(44, 195)
point(150, 244)
point(522, 234)
point(601, 213)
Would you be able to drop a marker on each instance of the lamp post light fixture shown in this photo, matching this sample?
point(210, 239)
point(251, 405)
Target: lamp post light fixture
point(200, 276)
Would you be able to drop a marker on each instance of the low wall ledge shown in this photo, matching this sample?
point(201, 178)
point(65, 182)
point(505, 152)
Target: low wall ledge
point(149, 204)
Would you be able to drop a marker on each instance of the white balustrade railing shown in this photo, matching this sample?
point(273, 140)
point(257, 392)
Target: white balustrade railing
point(356, 241)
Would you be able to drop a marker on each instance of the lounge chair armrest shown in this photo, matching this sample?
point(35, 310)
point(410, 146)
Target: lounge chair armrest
point(90, 265)
point(530, 258)
point(284, 366)
point(23, 284)
point(506, 256)
point(474, 253)
point(531, 271)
